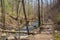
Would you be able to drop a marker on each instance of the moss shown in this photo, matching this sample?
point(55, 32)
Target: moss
point(58, 17)
point(56, 36)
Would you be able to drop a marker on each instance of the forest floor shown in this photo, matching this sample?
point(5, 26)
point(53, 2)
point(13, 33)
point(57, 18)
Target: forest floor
point(44, 35)
point(41, 37)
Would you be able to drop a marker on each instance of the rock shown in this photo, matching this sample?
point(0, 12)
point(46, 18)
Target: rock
point(11, 37)
point(4, 34)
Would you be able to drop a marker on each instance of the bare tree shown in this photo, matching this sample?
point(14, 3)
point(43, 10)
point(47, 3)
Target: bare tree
point(3, 12)
point(17, 10)
point(25, 16)
point(39, 12)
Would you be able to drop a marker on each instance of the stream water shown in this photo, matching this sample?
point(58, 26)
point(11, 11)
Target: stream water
point(23, 29)
point(30, 27)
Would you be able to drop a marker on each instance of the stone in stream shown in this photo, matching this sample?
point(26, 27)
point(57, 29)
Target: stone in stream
point(6, 39)
point(35, 27)
point(3, 36)
point(11, 37)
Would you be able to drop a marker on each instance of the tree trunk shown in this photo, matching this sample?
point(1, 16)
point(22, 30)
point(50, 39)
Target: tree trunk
point(39, 12)
point(25, 16)
point(3, 12)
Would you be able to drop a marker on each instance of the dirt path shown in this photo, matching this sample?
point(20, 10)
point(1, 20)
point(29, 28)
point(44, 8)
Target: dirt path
point(45, 35)
point(41, 37)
